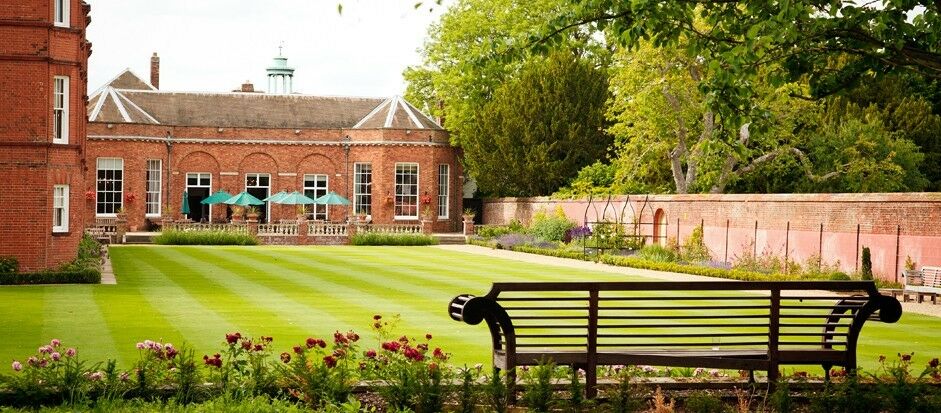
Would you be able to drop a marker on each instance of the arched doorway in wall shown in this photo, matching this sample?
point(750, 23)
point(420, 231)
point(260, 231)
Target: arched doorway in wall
point(660, 227)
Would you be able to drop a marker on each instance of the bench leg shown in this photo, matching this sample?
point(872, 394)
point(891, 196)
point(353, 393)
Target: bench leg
point(921, 298)
point(511, 385)
point(591, 383)
point(826, 372)
point(751, 376)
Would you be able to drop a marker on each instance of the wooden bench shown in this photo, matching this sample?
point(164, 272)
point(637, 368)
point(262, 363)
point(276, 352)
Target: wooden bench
point(925, 283)
point(711, 324)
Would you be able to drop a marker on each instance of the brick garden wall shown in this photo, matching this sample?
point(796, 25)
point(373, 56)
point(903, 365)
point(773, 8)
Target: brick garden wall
point(798, 226)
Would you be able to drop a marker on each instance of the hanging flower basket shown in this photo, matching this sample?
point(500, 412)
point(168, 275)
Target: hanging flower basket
point(90, 195)
point(130, 197)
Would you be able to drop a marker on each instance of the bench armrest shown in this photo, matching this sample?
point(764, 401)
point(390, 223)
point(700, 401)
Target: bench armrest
point(472, 310)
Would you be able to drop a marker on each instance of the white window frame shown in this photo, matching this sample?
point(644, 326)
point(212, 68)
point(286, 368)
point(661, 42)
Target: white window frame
point(153, 187)
point(359, 198)
point(402, 192)
point(60, 12)
point(60, 201)
point(258, 176)
point(120, 194)
point(199, 176)
point(319, 212)
point(60, 110)
point(444, 191)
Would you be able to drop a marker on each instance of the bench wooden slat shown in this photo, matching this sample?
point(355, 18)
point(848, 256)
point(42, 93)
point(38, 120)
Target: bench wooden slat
point(691, 308)
point(688, 335)
point(713, 325)
point(681, 317)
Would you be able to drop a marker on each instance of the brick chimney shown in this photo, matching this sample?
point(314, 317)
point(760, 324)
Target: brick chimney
point(155, 70)
point(248, 86)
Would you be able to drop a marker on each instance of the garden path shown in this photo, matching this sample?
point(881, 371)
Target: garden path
point(909, 307)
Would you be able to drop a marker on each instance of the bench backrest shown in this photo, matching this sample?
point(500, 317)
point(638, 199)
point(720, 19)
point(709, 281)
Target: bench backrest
point(931, 276)
point(596, 317)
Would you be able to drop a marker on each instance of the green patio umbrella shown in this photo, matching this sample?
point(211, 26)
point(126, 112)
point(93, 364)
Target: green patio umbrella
point(185, 208)
point(274, 198)
point(216, 198)
point(332, 198)
point(243, 199)
point(295, 198)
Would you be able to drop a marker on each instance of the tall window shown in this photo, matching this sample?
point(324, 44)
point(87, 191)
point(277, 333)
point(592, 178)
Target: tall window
point(315, 186)
point(362, 188)
point(153, 187)
point(444, 185)
point(110, 186)
point(406, 190)
point(60, 208)
point(61, 12)
point(259, 186)
point(60, 110)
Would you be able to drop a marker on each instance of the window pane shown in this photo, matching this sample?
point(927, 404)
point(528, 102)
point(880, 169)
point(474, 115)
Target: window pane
point(406, 190)
point(443, 188)
point(110, 196)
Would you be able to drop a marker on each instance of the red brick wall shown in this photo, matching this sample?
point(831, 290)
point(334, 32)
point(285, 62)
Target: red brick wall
point(32, 52)
point(787, 224)
point(285, 154)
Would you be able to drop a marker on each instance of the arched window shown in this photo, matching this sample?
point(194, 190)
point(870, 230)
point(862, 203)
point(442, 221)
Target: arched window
point(660, 227)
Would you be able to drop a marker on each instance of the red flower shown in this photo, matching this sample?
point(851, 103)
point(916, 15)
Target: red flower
point(339, 353)
point(413, 354)
point(232, 338)
point(339, 338)
point(258, 347)
point(427, 336)
point(933, 363)
point(298, 350)
point(286, 357)
point(392, 346)
point(246, 344)
point(321, 343)
point(377, 317)
point(90, 195)
point(266, 339)
point(432, 366)
point(352, 336)
point(403, 339)
point(330, 361)
point(440, 354)
point(370, 354)
point(214, 361)
point(311, 342)
point(906, 357)
point(129, 197)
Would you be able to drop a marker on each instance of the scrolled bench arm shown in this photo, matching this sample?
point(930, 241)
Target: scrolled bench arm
point(472, 310)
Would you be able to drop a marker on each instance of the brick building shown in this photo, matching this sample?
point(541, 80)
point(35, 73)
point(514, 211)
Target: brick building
point(43, 77)
point(147, 146)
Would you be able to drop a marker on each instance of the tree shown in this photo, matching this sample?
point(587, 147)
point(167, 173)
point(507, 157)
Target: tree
point(539, 129)
point(478, 45)
point(832, 44)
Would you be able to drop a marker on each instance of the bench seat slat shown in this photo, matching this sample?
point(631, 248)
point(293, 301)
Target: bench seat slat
point(691, 308)
point(709, 325)
point(680, 317)
point(690, 335)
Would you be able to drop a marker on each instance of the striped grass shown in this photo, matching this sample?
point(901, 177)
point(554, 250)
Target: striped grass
point(195, 294)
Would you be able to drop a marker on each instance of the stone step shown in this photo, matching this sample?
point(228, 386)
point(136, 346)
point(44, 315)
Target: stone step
point(138, 238)
point(450, 239)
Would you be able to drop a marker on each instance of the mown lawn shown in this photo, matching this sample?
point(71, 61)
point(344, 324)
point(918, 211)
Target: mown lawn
point(197, 294)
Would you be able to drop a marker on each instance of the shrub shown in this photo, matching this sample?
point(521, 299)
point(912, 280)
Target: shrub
point(705, 402)
point(70, 276)
point(511, 241)
point(623, 397)
point(538, 394)
point(867, 264)
point(375, 238)
point(551, 228)
point(658, 254)
point(695, 249)
point(176, 237)
point(608, 235)
point(9, 265)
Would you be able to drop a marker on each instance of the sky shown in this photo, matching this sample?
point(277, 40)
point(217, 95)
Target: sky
point(216, 45)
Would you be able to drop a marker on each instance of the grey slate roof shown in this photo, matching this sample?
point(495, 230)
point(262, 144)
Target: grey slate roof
point(129, 99)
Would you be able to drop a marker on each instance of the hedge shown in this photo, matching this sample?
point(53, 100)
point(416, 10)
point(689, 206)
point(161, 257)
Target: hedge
point(375, 238)
point(634, 262)
point(81, 276)
point(176, 237)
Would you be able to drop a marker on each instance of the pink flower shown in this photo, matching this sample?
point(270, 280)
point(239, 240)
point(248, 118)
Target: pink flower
point(96, 376)
point(140, 346)
point(17, 366)
point(70, 352)
point(125, 376)
point(55, 342)
point(55, 356)
point(45, 349)
point(32, 361)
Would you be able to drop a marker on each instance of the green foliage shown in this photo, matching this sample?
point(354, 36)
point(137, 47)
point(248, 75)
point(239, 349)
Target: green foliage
point(695, 249)
point(551, 228)
point(9, 265)
point(705, 402)
point(377, 238)
point(624, 397)
point(175, 237)
point(576, 399)
point(466, 393)
point(658, 253)
point(538, 395)
point(866, 264)
point(497, 394)
point(494, 231)
point(780, 400)
point(539, 129)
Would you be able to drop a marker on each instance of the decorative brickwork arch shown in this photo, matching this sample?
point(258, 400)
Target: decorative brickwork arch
point(320, 164)
point(660, 227)
point(258, 162)
point(197, 161)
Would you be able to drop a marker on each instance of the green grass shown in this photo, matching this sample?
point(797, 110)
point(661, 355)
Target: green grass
point(197, 294)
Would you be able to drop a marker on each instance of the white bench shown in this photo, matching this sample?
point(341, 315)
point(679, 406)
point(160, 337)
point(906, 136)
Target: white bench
point(921, 284)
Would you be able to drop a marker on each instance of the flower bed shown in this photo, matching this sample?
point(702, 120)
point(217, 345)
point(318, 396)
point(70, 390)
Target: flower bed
point(183, 237)
point(403, 373)
point(378, 238)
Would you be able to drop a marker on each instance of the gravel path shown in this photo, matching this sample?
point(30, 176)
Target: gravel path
point(909, 307)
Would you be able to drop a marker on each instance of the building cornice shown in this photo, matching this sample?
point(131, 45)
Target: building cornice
point(220, 141)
